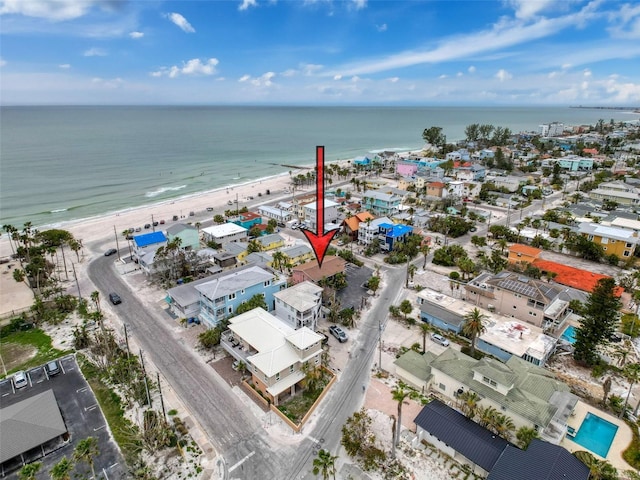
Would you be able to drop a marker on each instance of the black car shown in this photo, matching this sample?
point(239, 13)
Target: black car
point(110, 252)
point(115, 298)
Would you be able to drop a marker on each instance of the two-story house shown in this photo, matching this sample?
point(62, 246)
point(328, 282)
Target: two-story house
point(224, 292)
point(274, 352)
point(225, 233)
point(435, 189)
point(381, 203)
point(613, 240)
point(390, 234)
point(530, 395)
point(299, 306)
point(188, 234)
point(351, 224)
point(312, 272)
point(515, 295)
point(147, 242)
point(617, 192)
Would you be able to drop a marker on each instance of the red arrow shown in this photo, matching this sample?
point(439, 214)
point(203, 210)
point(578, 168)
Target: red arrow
point(319, 241)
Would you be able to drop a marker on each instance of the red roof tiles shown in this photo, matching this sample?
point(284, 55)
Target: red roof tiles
point(573, 277)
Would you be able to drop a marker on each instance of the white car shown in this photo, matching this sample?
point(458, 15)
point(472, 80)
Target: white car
point(20, 379)
point(439, 339)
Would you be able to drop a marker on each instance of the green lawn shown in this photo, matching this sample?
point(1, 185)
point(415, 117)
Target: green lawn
point(22, 350)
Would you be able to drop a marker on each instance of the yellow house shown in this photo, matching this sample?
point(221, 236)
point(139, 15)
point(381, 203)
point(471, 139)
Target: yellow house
point(614, 241)
point(271, 242)
point(298, 254)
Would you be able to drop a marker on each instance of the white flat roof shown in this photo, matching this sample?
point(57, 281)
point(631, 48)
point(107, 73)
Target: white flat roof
point(301, 297)
point(224, 230)
point(516, 337)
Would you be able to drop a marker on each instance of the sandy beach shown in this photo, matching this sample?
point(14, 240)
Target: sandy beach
point(98, 233)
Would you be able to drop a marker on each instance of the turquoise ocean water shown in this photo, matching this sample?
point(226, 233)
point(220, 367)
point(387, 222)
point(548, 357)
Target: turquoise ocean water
point(66, 163)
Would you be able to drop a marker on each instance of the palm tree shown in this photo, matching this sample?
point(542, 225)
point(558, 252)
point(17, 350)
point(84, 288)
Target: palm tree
point(400, 392)
point(621, 353)
point(95, 298)
point(598, 469)
point(425, 328)
point(86, 450)
point(525, 435)
point(28, 472)
point(425, 249)
point(469, 405)
point(632, 373)
point(62, 470)
point(474, 327)
point(606, 388)
point(485, 415)
point(325, 464)
point(411, 270)
point(279, 259)
point(502, 425)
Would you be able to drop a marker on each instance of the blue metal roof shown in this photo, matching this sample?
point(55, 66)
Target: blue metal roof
point(149, 239)
point(398, 230)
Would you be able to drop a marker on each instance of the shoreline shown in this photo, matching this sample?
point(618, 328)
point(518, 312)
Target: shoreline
point(98, 230)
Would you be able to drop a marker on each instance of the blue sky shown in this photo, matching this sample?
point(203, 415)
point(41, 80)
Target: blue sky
point(322, 52)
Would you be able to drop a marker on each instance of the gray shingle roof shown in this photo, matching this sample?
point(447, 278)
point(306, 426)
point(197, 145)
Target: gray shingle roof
point(28, 424)
point(442, 313)
point(474, 442)
point(541, 461)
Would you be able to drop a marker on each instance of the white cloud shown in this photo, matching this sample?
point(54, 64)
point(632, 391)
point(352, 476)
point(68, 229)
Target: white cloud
point(355, 79)
point(503, 34)
point(382, 28)
point(459, 74)
point(359, 4)
point(310, 68)
point(443, 76)
point(566, 66)
point(3, 62)
point(526, 9)
point(58, 10)
point(471, 69)
point(193, 67)
point(394, 79)
point(246, 4)
point(337, 77)
point(64, 66)
point(181, 22)
point(626, 22)
point(136, 35)
point(108, 83)
point(263, 80)
point(503, 75)
point(95, 52)
point(586, 72)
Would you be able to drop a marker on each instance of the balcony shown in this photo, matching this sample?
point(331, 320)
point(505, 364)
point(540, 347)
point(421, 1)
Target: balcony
point(236, 348)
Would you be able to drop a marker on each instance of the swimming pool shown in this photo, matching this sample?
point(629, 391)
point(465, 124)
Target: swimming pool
point(596, 434)
point(569, 335)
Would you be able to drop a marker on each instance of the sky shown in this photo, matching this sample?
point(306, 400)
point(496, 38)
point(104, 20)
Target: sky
point(320, 52)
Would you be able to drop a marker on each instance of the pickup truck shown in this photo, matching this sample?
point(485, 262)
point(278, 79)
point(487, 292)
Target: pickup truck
point(339, 333)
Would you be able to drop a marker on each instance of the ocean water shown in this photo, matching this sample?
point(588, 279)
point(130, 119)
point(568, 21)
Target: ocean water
point(67, 163)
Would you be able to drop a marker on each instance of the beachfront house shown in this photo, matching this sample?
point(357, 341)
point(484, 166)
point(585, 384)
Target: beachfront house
point(147, 243)
point(246, 219)
point(275, 353)
point(530, 395)
point(223, 293)
point(299, 306)
point(280, 215)
point(225, 233)
point(188, 234)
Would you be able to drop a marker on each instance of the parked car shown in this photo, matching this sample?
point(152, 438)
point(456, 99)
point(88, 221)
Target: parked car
point(52, 368)
point(111, 251)
point(439, 339)
point(175, 218)
point(147, 225)
point(337, 332)
point(209, 209)
point(161, 222)
point(155, 224)
point(192, 214)
point(20, 379)
point(115, 298)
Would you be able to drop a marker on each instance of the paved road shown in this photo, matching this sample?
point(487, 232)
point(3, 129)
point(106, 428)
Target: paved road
point(234, 431)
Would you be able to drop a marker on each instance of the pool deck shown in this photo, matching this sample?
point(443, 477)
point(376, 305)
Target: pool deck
point(620, 442)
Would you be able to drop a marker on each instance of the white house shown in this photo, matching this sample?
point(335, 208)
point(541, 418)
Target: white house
point(311, 212)
point(225, 233)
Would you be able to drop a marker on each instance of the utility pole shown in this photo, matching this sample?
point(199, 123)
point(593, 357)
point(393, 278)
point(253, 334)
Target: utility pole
point(164, 414)
point(76, 277)
point(126, 339)
point(144, 373)
point(380, 345)
point(153, 225)
point(117, 246)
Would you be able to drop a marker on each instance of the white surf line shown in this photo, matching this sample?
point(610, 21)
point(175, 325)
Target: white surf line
point(233, 467)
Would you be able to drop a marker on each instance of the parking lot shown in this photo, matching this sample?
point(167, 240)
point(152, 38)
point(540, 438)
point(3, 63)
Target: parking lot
point(82, 417)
